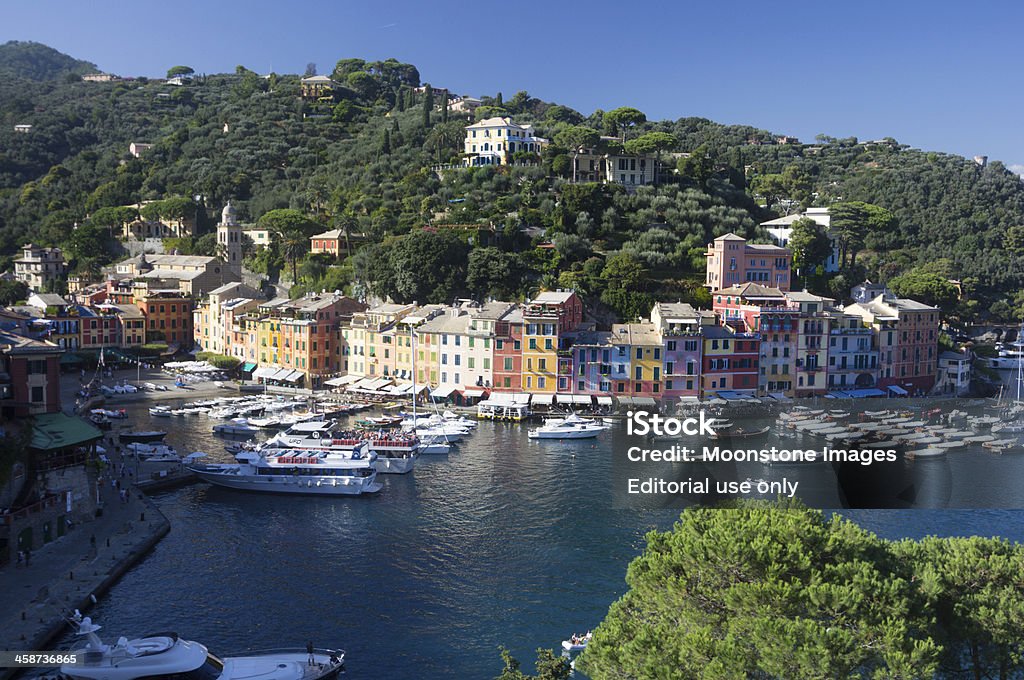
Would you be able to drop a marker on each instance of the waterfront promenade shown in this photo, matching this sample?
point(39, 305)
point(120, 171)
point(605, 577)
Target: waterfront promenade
point(63, 575)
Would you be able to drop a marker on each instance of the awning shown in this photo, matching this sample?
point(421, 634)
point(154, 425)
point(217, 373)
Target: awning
point(501, 399)
point(604, 401)
point(362, 384)
point(248, 367)
point(644, 401)
point(688, 399)
point(896, 389)
point(280, 374)
point(380, 383)
point(263, 372)
point(56, 431)
point(338, 382)
point(581, 399)
point(521, 398)
point(472, 393)
point(441, 392)
point(732, 395)
point(547, 399)
point(563, 398)
point(294, 376)
point(625, 401)
point(779, 396)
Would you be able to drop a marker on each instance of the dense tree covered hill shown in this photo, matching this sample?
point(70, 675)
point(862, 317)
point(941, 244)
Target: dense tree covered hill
point(364, 160)
point(34, 61)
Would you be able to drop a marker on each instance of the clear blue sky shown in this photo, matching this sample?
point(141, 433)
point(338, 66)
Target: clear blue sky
point(937, 75)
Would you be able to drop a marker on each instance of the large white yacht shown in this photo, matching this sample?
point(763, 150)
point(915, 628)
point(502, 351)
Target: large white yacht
point(570, 427)
point(164, 656)
point(297, 470)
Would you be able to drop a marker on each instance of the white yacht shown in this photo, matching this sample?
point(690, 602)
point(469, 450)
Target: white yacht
point(570, 427)
point(165, 655)
point(236, 427)
point(291, 470)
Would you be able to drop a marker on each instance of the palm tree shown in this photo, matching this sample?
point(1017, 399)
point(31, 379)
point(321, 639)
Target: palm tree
point(293, 246)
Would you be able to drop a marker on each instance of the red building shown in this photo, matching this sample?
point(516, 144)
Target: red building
point(508, 353)
point(32, 370)
point(731, 361)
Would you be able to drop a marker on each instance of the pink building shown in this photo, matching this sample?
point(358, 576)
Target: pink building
point(732, 262)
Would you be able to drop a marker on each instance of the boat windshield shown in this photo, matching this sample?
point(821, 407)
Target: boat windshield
point(211, 669)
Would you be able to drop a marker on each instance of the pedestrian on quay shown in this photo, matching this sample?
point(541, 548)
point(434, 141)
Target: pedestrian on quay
point(28, 557)
point(21, 558)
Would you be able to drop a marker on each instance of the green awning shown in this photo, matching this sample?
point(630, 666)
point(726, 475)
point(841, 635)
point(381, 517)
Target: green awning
point(248, 367)
point(70, 358)
point(56, 431)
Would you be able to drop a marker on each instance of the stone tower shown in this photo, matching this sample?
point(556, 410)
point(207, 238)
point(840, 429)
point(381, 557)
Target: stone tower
point(229, 241)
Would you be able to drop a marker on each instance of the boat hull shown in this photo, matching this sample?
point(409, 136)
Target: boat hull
point(394, 466)
point(581, 434)
point(146, 438)
point(286, 484)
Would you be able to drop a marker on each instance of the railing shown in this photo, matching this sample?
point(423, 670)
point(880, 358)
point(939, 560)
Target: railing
point(38, 506)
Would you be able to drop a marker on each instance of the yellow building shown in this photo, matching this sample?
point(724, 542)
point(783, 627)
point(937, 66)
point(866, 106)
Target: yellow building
point(495, 141)
point(546, 319)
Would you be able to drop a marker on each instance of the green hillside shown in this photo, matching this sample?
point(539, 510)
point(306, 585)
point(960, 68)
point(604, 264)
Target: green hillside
point(33, 61)
point(361, 162)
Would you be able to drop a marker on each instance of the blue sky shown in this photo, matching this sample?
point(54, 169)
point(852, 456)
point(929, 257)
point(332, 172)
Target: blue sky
point(936, 75)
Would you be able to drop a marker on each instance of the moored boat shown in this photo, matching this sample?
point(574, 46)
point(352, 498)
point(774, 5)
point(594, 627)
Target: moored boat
point(142, 436)
point(165, 655)
point(297, 471)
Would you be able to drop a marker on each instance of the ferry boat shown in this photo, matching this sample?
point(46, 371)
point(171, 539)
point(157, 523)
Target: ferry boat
point(396, 452)
point(165, 655)
point(570, 427)
point(302, 471)
point(499, 410)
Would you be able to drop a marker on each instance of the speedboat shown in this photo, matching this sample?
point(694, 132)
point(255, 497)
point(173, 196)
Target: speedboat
point(142, 436)
point(165, 655)
point(570, 427)
point(120, 413)
point(160, 411)
point(302, 471)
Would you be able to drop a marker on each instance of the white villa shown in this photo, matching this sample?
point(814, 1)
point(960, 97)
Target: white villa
point(494, 140)
point(782, 228)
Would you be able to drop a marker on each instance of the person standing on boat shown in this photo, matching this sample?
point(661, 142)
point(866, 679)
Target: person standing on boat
point(309, 650)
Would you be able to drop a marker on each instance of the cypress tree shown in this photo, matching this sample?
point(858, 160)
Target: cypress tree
point(385, 143)
point(428, 103)
point(498, 101)
point(444, 106)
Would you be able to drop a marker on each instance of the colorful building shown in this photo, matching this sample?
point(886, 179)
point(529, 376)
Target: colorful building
point(908, 335)
point(495, 141)
point(680, 325)
point(731, 362)
point(168, 316)
point(731, 261)
point(30, 380)
point(548, 320)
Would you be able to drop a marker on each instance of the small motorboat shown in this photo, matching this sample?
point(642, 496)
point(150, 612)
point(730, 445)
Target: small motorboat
point(160, 411)
point(100, 421)
point(577, 643)
point(740, 433)
point(118, 414)
point(236, 427)
point(142, 436)
point(148, 451)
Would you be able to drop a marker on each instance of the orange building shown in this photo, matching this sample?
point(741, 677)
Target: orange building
point(168, 316)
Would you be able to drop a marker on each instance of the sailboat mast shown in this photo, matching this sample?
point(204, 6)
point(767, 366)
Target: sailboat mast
point(413, 342)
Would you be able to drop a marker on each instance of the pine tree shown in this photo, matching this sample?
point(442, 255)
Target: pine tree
point(428, 103)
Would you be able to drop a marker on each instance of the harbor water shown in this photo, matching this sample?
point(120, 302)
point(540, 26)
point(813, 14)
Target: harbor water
point(505, 541)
